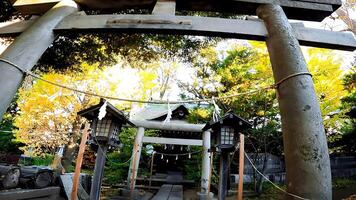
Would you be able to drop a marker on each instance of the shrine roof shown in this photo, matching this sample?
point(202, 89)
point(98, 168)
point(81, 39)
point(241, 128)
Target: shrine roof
point(157, 111)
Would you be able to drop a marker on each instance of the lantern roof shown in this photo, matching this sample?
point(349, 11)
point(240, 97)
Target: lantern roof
point(93, 112)
point(229, 119)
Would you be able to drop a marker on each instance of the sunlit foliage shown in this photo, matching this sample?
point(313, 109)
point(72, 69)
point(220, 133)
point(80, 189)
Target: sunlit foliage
point(48, 114)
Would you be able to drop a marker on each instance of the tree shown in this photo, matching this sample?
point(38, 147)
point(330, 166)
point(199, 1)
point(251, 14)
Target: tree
point(7, 138)
point(71, 49)
point(343, 14)
point(243, 68)
point(48, 114)
point(246, 67)
point(107, 48)
point(6, 10)
point(325, 65)
point(343, 136)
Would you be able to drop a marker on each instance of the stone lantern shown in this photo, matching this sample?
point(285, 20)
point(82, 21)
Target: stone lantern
point(225, 134)
point(106, 123)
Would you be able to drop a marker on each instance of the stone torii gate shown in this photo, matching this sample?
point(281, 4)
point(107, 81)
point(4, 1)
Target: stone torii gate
point(306, 152)
point(153, 117)
point(140, 139)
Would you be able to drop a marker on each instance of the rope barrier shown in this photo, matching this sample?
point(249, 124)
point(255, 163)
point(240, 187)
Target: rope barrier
point(177, 154)
point(264, 176)
point(144, 101)
point(276, 186)
point(110, 161)
point(276, 85)
point(273, 86)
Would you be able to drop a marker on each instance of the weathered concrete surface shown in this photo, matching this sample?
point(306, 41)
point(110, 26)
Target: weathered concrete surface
point(206, 168)
point(136, 155)
point(305, 146)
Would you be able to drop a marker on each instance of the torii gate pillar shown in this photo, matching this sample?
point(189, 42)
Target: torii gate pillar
point(206, 167)
point(305, 146)
point(134, 164)
point(28, 48)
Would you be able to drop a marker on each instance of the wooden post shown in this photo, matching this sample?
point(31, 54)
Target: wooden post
point(241, 167)
point(78, 164)
point(28, 48)
point(210, 172)
point(223, 175)
point(164, 7)
point(98, 172)
point(205, 164)
point(136, 154)
point(305, 147)
point(151, 171)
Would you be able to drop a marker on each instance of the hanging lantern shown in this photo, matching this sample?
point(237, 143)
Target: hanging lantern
point(105, 130)
point(225, 131)
point(226, 138)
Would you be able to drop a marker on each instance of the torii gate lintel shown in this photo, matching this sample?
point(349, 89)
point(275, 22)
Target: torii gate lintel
point(300, 112)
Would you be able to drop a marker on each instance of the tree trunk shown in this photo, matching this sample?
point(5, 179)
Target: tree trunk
point(71, 149)
point(259, 177)
point(69, 155)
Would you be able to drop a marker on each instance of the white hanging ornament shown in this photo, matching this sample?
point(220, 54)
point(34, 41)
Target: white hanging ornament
point(181, 148)
point(216, 113)
point(135, 108)
point(176, 157)
point(167, 160)
point(172, 147)
point(190, 156)
point(55, 95)
point(102, 111)
point(169, 113)
point(162, 157)
point(165, 147)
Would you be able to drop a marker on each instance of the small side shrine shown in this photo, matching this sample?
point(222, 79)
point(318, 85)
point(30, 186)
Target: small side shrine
point(176, 134)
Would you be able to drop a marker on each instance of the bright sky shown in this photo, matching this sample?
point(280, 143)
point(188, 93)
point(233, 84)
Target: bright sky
point(3, 45)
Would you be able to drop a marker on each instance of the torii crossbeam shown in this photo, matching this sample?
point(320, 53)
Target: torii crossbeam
point(305, 147)
point(188, 25)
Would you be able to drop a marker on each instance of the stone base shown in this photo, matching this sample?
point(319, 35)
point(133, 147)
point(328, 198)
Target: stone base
point(205, 196)
point(126, 193)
